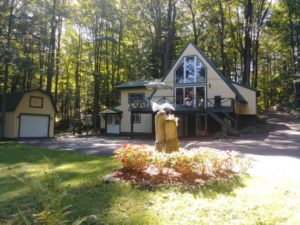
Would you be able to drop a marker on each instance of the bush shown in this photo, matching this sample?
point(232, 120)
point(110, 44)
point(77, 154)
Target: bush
point(198, 163)
point(133, 157)
point(182, 162)
point(160, 160)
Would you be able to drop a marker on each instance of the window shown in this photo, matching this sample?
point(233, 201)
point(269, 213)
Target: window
point(135, 97)
point(192, 96)
point(35, 102)
point(190, 70)
point(189, 94)
point(136, 118)
point(179, 96)
point(136, 100)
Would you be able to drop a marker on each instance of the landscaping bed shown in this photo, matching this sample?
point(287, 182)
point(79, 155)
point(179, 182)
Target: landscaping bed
point(144, 165)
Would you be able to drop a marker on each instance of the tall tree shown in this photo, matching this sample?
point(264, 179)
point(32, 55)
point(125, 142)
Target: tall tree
point(7, 60)
point(52, 46)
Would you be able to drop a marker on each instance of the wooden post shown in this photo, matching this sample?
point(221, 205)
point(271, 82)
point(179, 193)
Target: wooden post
point(160, 138)
point(172, 142)
point(153, 124)
point(131, 125)
point(166, 132)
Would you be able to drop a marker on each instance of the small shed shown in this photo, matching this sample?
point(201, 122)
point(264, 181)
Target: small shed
point(29, 114)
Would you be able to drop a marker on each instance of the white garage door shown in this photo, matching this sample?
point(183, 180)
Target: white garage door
point(34, 126)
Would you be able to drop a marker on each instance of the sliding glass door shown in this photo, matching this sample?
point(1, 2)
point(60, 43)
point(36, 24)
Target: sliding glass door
point(191, 96)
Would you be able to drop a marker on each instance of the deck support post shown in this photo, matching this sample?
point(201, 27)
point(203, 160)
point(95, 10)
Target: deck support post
point(131, 125)
point(153, 124)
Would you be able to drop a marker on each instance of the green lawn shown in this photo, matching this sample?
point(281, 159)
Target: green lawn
point(252, 200)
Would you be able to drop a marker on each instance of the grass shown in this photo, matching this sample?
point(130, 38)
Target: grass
point(247, 200)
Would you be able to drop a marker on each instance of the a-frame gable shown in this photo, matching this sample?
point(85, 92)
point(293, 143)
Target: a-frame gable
point(192, 49)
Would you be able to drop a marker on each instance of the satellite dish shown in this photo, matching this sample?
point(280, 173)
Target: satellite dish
point(156, 84)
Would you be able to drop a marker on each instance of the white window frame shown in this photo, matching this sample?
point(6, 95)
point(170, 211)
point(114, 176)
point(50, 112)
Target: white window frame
point(194, 93)
point(184, 70)
point(136, 115)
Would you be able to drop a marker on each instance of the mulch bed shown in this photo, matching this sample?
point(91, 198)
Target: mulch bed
point(167, 177)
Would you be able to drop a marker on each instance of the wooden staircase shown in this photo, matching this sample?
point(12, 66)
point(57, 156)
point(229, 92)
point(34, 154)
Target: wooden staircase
point(220, 115)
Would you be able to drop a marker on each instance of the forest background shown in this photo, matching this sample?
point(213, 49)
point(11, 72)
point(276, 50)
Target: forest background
point(80, 50)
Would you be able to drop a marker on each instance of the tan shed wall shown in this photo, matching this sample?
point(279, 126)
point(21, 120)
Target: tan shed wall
point(250, 96)
point(10, 120)
point(146, 119)
point(23, 107)
point(102, 122)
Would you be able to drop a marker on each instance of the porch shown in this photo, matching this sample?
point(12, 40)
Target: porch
point(193, 112)
point(191, 104)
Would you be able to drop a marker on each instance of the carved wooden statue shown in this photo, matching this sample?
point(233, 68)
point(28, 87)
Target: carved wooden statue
point(165, 129)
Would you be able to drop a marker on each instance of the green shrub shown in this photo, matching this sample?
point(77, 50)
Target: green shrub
point(133, 157)
point(182, 162)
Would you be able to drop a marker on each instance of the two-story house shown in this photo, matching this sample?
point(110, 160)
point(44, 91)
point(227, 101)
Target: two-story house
point(205, 101)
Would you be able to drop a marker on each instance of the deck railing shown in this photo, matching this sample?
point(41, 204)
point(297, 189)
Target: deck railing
point(221, 103)
point(192, 102)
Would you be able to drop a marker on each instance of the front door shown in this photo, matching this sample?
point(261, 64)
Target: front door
point(113, 124)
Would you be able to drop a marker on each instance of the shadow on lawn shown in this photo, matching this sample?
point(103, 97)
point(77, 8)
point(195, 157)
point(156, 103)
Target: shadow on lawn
point(212, 189)
point(81, 176)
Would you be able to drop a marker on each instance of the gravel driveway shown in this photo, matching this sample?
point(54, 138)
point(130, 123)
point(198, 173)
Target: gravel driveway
point(275, 148)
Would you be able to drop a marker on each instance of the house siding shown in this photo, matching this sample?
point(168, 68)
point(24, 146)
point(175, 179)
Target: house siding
point(250, 95)
point(145, 126)
point(215, 84)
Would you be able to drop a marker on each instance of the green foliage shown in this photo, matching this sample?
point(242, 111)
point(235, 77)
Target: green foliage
point(109, 42)
point(50, 195)
point(160, 160)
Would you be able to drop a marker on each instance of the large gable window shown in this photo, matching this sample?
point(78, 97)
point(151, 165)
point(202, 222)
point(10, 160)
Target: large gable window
point(190, 70)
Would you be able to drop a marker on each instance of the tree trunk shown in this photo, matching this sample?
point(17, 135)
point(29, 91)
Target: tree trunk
point(6, 70)
point(77, 75)
point(222, 38)
point(247, 42)
point(170, 36)
point(57, 72)
point(51, 59)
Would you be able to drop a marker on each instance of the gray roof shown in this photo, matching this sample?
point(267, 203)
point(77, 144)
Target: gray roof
point(13, 99)
point(112, 109)
point(133, 84)
point(227, 81)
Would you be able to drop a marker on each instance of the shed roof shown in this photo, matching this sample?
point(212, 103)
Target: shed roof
point(13, 99)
